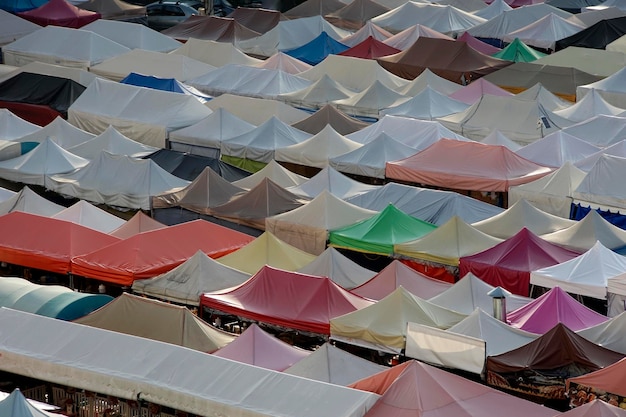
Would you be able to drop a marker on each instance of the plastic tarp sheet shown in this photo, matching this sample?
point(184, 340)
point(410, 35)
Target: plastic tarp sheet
point(258, 19)
point(354, 15)
point(316, 50)
point(370, 48)
point(597, 35)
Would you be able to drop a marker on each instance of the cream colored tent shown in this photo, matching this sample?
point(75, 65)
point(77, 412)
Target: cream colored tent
point(214, 53)
point(257, 110)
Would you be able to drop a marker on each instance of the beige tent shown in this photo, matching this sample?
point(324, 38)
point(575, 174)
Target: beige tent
point(257, 110)
point(598, 62)
point(214, 53)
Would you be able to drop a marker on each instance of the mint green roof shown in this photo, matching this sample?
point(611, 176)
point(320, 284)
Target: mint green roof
point(518, 51)
point(378, 234)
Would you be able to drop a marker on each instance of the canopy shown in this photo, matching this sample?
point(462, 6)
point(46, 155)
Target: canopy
point(151, 253)
point(14, 127)
point(53, 301)
point(600, 188)
point(14, 6)
point(610, 88)
point(428, 104)
point(383, 325)
point(597, 62)
point(339, 268)
point(88, 215)
point(508, 264)
point(115, 9)
point(28, 201)
point(156, 320)
point(310, 8)
point(354, 15)
point(591, 104)
point(366, 31)
point(320, 93)
point(557, 149)
point(282, 61)
point(369, 102)
point(17, 405)
point(259, 348)
point(214, 53)
point(379, 233)
point(58, 131)
point(287, 299)
point(480, 46)
point(113, 142)
point(314, 51)
point(370, 48)
point(329, 115)
point(275, 172)
point(608, 380)
point(596, 407)
point(545, 32)
point(608, 333)
point(474, 91)
point(601, 131)
point(597, 36)
point(260, 20)
point(498, 138)
point(136, 224)
point(60, 13)
point(408, 36)
point(131, 35)
point(331, 180)
point(211, 28)
point(518, 51)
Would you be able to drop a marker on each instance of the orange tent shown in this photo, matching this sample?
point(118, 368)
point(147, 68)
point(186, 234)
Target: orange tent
point(151, 253)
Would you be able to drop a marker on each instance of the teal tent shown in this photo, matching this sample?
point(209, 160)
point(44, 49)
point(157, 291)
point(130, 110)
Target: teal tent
point(518, 51)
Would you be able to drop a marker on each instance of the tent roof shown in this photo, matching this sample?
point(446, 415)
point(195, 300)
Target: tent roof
point(185, 283)
point(17, 405)
point(396, 275)
point(498, 138)
point(257, 110)
point(113, 142)
point(228, 386)
point(545, 32)
point(474, 91)
point(601, 131)
point(370, 48)
point(329, 115)
point(60, 13)
point(282, 61)
point(368, 30)
point(156, 320)
point(310, 8)
point(154, 252)
point(609, 379)
point(211, 28)
point(28, 201)
point(595, 36)
point(556, 149)
point(319, 93)
point(606, 62)
point(274, 171)
point(259, 348)
point(428, 79)
point(333, 365)
point(591, 104)
point(131, 35)
point(60, 132)
point(592, 229)
point(331, 180)
point(383, 325)
point(598, 189)
point(554, 307)
point(267, 249)
point(139, 223)
point(214, 53)
point(478, 167)
point(114, 9)
point(518, 51)
point(598, 408)
point(339, 268)
point(371, 101)
point(480, 46)
point(353, 15)
point(13, 127)
point(88, 215)
point(258, 19)
point(404, 39)
point(287, 299)
point(314, 51)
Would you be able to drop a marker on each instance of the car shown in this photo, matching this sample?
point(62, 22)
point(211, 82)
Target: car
point(165, 14)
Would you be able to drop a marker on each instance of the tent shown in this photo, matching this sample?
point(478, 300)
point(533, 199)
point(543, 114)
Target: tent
point(115, 10)
point(509, 264)
point(370, 48)
point(331, 180)
point(354, 15)
point(60, 13)
point(28, 201)
point(329, 115)
point(597, 407)
point(586, 275)
point(113, 142)
point(188, 167)
point(24, 244)
point(259, 348)
point(606, 383)
point(58, 131)
point(120, 375)
point(498, 138)
point(415, 388)
point(601, 131)
point(474, 91)
point(495, 8)
point(556, 356)
point(259, 20)
point(597, 190)
point(90, 216)
point(554, 307)
point(14, 127)
point(428, 104)
point(137, 224)
point(286, 299)
point(382, 326)
point(333, 365)
point(545, 97)
point(518, 51)
point(151, 253)
point(14, 27)
point(552, 193)
point(597, 36)
point(267, 249)
point(408, 36)
point(428, 79)
point(307, 227)
point(310, 8)
point(131, 35)
point(480, 46)
point(275, 172)
point(163, 84)
point(214, 53)
point(608, 334)
point(396, 275)
point(368, 30)
point(545, 32)
point(211, 28)
point(339, 268)
point(14, 6)
point(478, 167)
point(185, 283)
point(522, 215)
point(591, 104)
point(599, 62)
point(282, 61)
point(314, 51)
point(557, 149)
point(610, 88)
point(454, 61)
point(156, 320)
point(53, 301)
point(369, 102)
point(16, 404)
point(318, 94)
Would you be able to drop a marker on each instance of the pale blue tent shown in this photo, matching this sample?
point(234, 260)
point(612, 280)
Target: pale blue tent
point(16, 405)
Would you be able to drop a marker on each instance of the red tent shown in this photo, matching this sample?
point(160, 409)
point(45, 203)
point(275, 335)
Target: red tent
point(370, 48)
point(287, 299)
point(60, 13)
point(45, 243)
point(508, 264)
point(151, 253)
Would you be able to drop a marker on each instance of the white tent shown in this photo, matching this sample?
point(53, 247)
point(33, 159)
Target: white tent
point(552, 193)
point(318, 94)
point(28, 201)
point(367, 30)
point(370, 159)
point(248, 81)
point(335, 366)
point(592, 61)
point(583, 235)
point(611, 88)
point(602, 187)
point(498, 138)
point(307, 227)
point(521, 215)
point(261, 143)
point(340, 269)
point(601, 131)
point(428, 104)
point(495, 8)
point(142, 114)
point(331, 180)
point(105, 181)
point(428, 79)
point(214, 53)
point(113, 142)
point(356, 74)
point(371, 101)
point(132, 35)
point(586, 274)
point(591, 15)
point(318, 149)
point(609, 334)
point(152, 63)
point(289, 34)
point(13, 27)
point(107, 363)
point(544, 32)
point(617, 149)
point(12, 127)
point(443, 18)
point(90, 216)
point(257, 110)
point(286, 63)
point(543, 96)
point(16, 405)
point(618, 45)
point(407, 37)
point(60, 132)
point(556, 149)
point(433, 206)
point(46, 159)
point(185, 283)
point(275, 172)
point(205, 137)
point(62, 46)
point(591, 104)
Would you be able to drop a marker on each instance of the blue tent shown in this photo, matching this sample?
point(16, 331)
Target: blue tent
point(319, 48)
point(16, 405)
point(163, 84)
point(16, 6)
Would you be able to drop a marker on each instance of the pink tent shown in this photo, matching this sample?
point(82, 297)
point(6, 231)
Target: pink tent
point(477, 44)
point(466, 166)
point(416, 389)
point(508, 264)
point(555, 306)
point(611, 379)
point(259, 348)
point(287, 299)
point(397, 274)
point(596, 408)
point(60, 13)
point(471, 93)
point(137, 224)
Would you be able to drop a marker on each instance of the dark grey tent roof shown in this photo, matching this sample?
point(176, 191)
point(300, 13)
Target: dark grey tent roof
point(596, 36)
point(188, 166)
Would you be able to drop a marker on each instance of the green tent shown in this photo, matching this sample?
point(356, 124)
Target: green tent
point(518, 51)
point(378, 234)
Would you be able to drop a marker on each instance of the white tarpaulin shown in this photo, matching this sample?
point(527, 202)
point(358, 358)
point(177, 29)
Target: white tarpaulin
point(13, 127)
point(427, 104)
point(336, 183)
point(339, 268)
point(583, 235)
point(603, 186)
point(214, 53)
point(544, 32)
point(13, 27)
point(591, 104)
point(29, 201)
point(371, 101)
point(132, 35)
point(601, 131)
point(609, 334)
point(611, 88)
point(60, 132)
point(557, 149)
point(113, 142)
point(90, 216)
point(257, 110)
point(318, 94)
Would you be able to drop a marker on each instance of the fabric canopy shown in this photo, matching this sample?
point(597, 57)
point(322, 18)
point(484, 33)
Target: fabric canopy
point(28, 201)
point(129, 34)
point(518, 51)
point(370, 48)
point(17, 405)
point(136, 224)
point(610, 379)
point(329, 115)
point(314, 51)
point(211, 28)
point(339, 268)
point(88, 215)
point(60, 13)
